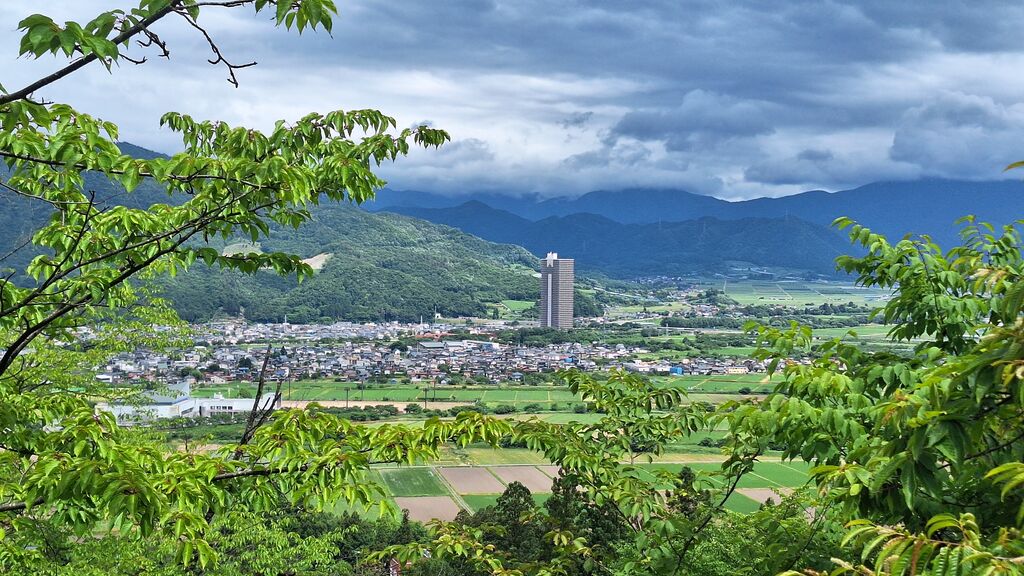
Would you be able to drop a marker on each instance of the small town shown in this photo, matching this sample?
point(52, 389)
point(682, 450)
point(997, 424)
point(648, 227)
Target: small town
point(234, 351)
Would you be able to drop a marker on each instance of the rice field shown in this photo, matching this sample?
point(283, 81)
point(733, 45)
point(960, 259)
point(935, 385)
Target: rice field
point(713, 389)
point(478, 502)
point(764, 475)
point(322, 390)
point(717, 383)
point(439, 492)
point(418, 481)
point(472, 480)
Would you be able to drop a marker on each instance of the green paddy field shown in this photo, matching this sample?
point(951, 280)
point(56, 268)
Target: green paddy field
point(419, 488)
point(698, 387)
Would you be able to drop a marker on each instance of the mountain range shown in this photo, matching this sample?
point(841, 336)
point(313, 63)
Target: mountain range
point(893, 208)
point(599, 244)
point(457, 254)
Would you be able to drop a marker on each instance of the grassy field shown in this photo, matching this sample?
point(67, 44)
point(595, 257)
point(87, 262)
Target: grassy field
point(480, 501)
point(700, 389)
point(413, 482)
point(716, 383)
point(518, 305)
point(796, 293)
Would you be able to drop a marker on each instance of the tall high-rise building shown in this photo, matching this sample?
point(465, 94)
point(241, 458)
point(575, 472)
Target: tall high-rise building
point(556, 291)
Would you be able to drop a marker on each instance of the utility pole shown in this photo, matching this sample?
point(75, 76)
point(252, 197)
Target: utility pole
point(346, 396)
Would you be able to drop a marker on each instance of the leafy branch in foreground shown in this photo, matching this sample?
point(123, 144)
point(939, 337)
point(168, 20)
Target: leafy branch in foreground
point(70, 468)
point(913, 449)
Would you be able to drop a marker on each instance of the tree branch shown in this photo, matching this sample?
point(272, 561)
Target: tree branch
point(172, 177)
point(86, 60)
point(255, 417)
point(216, 50)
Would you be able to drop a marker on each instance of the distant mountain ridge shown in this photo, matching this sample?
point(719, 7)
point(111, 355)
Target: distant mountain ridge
point(666, 249)
point(624, 233)
point(893, 208)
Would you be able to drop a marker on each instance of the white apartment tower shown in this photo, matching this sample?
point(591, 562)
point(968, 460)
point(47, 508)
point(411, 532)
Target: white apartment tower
point(556, 291)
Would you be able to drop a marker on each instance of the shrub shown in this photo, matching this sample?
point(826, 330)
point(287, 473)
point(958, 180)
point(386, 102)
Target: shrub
point(709, 442)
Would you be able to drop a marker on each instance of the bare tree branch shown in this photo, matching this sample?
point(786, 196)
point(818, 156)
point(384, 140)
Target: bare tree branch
point(255, 417)
point(216, 50)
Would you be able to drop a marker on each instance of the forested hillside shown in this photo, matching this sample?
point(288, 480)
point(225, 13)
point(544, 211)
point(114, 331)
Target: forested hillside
point(380, 266)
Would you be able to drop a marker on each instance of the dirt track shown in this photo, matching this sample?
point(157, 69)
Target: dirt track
point(764, 494)
point(427, 508)
point(472, 480)
point(529, 476)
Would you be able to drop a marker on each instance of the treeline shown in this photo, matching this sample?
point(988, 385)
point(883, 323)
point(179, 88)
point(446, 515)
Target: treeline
point(713, 297)
point(814, 321)
point(284, 540)
point(291, 540)
point(520, 528)
point(227, 427)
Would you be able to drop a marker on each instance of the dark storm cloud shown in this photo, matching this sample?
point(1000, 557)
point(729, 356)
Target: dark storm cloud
point(625, 155)
point(737, 98)
point(701, 119)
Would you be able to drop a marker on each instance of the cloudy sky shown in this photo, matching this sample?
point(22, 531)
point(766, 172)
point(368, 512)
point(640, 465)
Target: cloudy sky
point(735, 99)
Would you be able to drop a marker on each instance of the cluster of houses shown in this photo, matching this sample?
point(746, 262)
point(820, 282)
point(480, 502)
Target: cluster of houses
point(370, 353)
point(360, 361)
point(238, 331)
point(483, 361)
